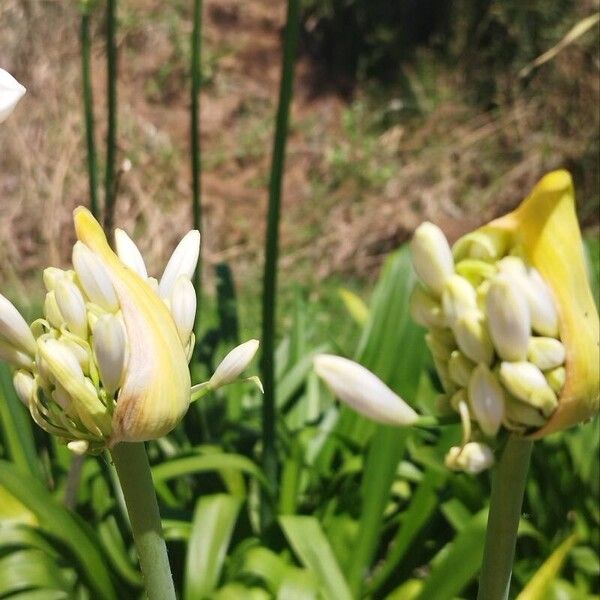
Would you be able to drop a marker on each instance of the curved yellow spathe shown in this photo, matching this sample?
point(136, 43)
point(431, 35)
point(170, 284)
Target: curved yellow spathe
point(545, 230)
point(155, 393)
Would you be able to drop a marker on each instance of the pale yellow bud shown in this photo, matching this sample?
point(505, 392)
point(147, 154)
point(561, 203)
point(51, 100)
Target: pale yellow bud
point(486, 398)
point(425, 309)
point(110, 349)
point(512, 265)
point(527, 383)
point(183, 307)
point(431, 256)
point(508, 318)
point(546, 353)
point(460, 368)
point(52, 312)
point(458, 297)
point(94, 278)
point(556, 379)
point(234, 364)
point(24, 386)
point(78, 447)
point(71, 306)
point(520, 414)
point(51, 275)
point(544, 316)
point(472, 337)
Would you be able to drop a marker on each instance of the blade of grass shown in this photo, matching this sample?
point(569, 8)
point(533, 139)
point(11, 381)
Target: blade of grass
point(196, 76)
point(111, 135)
point(292, 29)
point(88, 105)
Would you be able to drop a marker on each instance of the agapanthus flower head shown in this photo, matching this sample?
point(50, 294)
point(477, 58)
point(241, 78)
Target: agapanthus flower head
point(108, 362)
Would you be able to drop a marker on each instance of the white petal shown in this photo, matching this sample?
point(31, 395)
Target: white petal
point(183, 307)
point(546, 353)
point(24, 386)
point(94, 278)
point(431, 256)
point(508, 315)
point(234, 364)
point(458, 297)
point(486, 397)
point(527, 383)
point(544, 316)
point(363, 391)
point(14, 329)
point(11, 91)
point(14, 356)
point(473, 339)
point(129, 253)
point(110, 349)
point(182, 262)
point(72, 307)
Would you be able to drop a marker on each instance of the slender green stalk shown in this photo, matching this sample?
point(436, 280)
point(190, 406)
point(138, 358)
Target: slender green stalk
point(111, 135)
point(271, 251)
point(196, 75)
point(133, 470)
point(508, 488)
point(88, 104)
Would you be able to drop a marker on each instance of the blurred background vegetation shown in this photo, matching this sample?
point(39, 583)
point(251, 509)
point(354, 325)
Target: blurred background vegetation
point(402, 111)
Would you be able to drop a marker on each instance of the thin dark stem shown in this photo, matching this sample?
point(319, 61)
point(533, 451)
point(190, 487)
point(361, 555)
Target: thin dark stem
point(508, 487)
point(133, 470)
point(111, 135)
point(196, 75)
point(271, 252)
point(88, 104)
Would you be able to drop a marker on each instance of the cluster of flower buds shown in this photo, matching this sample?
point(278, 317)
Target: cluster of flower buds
point(512, 327)
point(108, 362)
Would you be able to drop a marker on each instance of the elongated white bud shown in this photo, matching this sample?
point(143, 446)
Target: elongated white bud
point(94, 278)
point(71, 306)
point(11, 91)
point(544, 316)
point(546, 353)
point(460, 368)
point(424, 309)
point(508, 318)
point(431, 256)
point(363, 391)
point(183, 307)
point(234, 364)
point(129, 253)
point(527, 383)
point(13, 328)
point(182, 262)
point(473, 339)
point(486, 397)
point(24, 386)
point(110, 348)
point(458, 297)
point(472, 458)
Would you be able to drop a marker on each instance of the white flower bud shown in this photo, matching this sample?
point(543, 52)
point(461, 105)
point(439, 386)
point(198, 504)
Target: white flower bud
point(52, 312)
point(94, 278)
point(129, 254)
point(472, 337)
point(78, 447)
point(473, 458)
point(527, 383)
point(544, 316)
point(13, 328)
point(431, 256)
point(51, 275)
point(234, 364)
point(556, 379)
point(546, 353)
point(71, 306)
point(424, 309)
point(24, 386)
point(11, 91)
point(486, 398)
point(182, 262)
point(458, 297)
point(460, 368)
point(363, 391)
point(512, 265)
point(110, 349)
point(183, 307)
point(508, 318)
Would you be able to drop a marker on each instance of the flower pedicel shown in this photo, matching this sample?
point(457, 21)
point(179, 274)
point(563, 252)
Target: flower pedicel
point(108, 362)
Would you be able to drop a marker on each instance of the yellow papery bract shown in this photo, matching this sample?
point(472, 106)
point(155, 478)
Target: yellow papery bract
point(544, 229)
point(155, 393)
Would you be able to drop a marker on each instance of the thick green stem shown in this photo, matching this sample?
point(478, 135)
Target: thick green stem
point(196, 76)
point(88, 104)
point(508, 488)
point(111, 135)
point(131, 463)
point(272, 250)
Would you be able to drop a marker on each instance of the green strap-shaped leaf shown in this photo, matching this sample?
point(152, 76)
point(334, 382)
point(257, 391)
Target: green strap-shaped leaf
point(312, 547)
point(214, 520)
point(63, 525)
